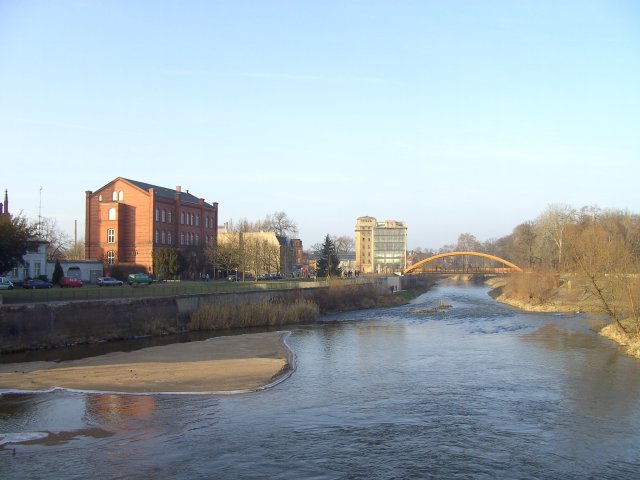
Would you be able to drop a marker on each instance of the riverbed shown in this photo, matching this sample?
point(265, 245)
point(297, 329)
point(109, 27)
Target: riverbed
point(479, 390)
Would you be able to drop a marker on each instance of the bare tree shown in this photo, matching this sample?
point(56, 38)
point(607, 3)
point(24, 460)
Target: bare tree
point(281, 224)
point(59, 242)
point(344, 244)
point(552, 224)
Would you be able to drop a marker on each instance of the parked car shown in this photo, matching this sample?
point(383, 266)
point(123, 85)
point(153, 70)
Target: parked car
point(36, 283)
point(139, 279)
point(109, 282)
point(5, 284)
point(232, 278)
point(70, 282)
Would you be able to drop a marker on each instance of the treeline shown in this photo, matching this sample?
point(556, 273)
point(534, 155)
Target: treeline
point(596, 248)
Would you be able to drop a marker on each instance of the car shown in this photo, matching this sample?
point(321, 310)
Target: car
point(109, 282)
point(232, 278)
point(70, 282)
point(139, 279)
point(5, 284)
point(37, 283)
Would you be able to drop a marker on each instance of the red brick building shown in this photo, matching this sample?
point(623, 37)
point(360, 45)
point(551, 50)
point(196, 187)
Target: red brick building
point(127, 220)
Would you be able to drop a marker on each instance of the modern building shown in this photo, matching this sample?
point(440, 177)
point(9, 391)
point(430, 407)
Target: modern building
point(381, 247)
point(127, 220)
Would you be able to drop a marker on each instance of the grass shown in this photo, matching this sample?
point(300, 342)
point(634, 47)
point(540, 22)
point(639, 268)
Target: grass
point(259, 314)
point(169, 289)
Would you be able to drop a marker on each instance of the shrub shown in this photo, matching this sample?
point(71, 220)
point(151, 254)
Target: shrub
point(536, 287)
point(259, 314)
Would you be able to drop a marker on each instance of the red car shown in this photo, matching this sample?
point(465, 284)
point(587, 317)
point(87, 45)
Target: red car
point(70, 282)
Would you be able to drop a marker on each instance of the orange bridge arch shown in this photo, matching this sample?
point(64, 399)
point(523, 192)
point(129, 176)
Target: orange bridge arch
point(421, 263)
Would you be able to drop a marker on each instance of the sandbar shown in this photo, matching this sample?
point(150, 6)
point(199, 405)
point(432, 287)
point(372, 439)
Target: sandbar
point(236, 363)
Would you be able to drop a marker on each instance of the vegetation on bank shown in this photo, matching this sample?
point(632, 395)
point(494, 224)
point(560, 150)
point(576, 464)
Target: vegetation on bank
point(280, 311)
point(246, 315)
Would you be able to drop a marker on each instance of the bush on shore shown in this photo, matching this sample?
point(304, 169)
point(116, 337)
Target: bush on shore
point(532, 287)
point(260, 314)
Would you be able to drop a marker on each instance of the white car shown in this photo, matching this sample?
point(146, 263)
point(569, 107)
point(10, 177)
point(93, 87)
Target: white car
point(108, 282)
point(5, 284)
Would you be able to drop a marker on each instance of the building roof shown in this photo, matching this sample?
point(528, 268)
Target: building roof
point(164, 192)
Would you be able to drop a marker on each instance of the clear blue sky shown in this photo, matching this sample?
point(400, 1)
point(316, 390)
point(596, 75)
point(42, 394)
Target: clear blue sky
point(461, 116)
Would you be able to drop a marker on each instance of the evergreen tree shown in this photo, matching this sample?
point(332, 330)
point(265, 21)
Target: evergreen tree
point(328, 261)
point(58, 273)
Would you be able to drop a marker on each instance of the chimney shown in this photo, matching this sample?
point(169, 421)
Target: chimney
point(6, 202)
point(178, 188)
point(187, 190)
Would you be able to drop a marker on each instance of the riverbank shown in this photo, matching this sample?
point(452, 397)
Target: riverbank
point(233, 364)
point(568, 298)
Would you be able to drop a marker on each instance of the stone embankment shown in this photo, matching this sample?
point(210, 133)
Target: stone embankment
point(63, 323)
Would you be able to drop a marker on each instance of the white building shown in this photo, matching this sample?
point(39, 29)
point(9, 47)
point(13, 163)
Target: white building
point(34, 264)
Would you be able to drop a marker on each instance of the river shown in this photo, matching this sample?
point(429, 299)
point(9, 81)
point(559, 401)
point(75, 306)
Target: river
point(478, 391)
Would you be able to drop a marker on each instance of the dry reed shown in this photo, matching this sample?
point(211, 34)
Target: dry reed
point(259, 314)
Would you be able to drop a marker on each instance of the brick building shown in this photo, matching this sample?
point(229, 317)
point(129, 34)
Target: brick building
point(127, 220)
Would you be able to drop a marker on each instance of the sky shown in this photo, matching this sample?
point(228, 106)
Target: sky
point(454, 117)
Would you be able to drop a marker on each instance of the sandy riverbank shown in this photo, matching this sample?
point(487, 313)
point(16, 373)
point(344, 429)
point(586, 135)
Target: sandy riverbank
point(221, 364)
point(568, 300)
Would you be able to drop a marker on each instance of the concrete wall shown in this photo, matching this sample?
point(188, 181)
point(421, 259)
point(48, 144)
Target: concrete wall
point(55, 324)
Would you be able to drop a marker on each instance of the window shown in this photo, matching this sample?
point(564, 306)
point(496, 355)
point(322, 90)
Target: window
point(99, 198)
point(169, 238)
point(206, 222)
point(157, 236)
point(169, 216)
point(164, 237)
point(114, 196)
point(182, 238)
point(197, 239)
point(111, 235)
point(120, 195)
point(181, 218)
point(26, 269)
point(164, 215)
point(197, 220)
point(157, 214)
point(112, 214)
point(111, 257)
point(36, 269)
point(191, 215)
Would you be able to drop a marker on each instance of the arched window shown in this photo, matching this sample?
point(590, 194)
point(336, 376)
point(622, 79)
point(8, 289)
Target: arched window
point(169, 238)
point(181, 218)
point(164, 237)
point(157, 214)
point(114, 196)
point(182, 238)
point(112, 214)
point(157, 236)
point(169, 216)
point(197, 220)
point(120, 195)
point(197, 239)
point(164, 215)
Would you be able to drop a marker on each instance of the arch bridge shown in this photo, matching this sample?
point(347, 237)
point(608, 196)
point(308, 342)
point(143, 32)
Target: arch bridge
point(428, 266)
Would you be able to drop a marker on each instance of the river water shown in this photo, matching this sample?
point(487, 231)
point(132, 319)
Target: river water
point(478, 391)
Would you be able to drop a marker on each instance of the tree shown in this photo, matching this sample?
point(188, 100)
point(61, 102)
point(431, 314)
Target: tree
point(59, 242)
point(328, 261)
point(344, 244)
point(166, 263)
point(281, 224)
point(552, 224)
point(16, 237)
point(58, 273)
